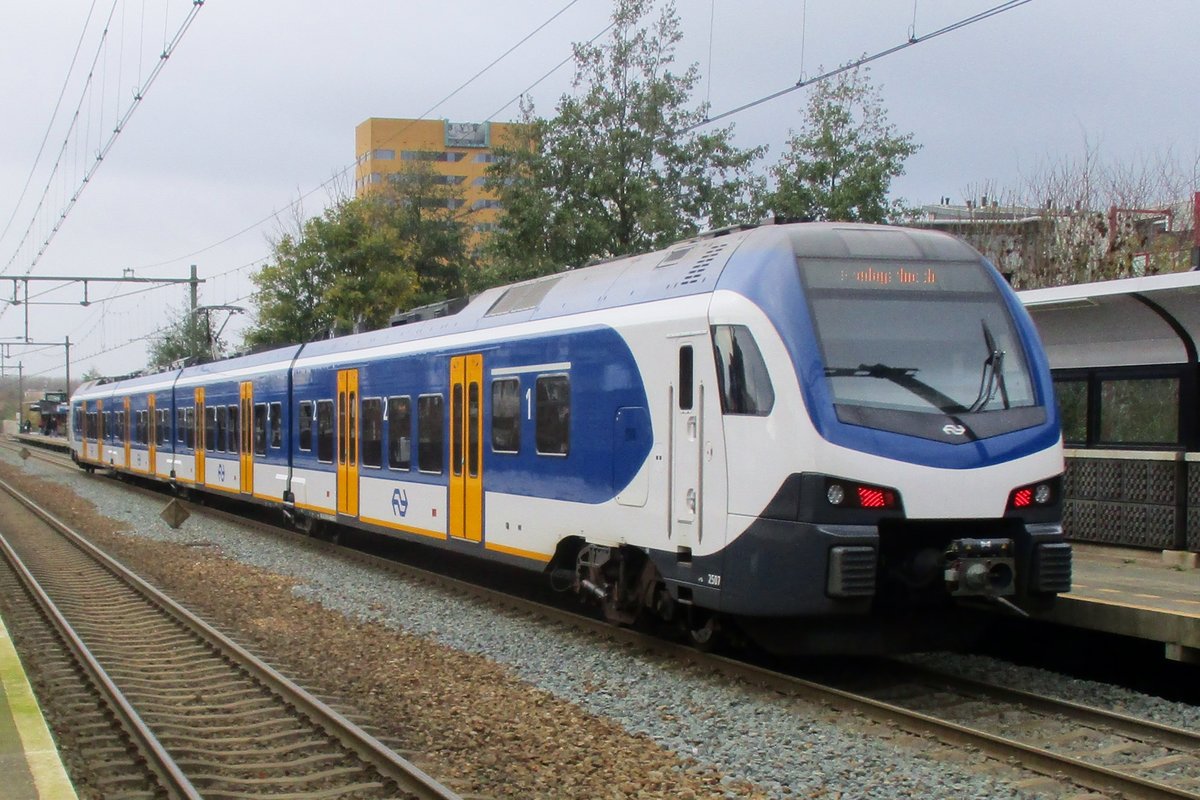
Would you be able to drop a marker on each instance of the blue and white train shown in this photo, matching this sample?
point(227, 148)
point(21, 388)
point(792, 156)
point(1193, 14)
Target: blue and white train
point(832, 435)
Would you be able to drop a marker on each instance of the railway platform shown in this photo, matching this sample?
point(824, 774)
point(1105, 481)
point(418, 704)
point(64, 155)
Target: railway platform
point(1139, 593)
point(58, 443)
point(30, 766)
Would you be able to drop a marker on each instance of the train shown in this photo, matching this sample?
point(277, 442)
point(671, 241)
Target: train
point(818, 437)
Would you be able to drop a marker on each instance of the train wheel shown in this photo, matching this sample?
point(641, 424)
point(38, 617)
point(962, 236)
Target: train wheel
point(704, 632)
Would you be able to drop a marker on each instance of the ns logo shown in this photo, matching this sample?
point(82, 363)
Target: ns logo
point(953, 429)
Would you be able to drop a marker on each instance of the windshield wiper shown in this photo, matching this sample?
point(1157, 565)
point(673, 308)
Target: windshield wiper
point(902, 377)
point(991, 378)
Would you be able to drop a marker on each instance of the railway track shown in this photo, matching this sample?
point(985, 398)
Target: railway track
point(1085, 746)
point(206, 717)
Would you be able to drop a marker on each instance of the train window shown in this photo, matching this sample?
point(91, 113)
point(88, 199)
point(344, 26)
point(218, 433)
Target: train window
point(189, 427)
point(431, 433)
point(686, 378)
point(456, 423)
point(260, 429)
point(235, 431)
point(181, 425)
point(222, 427)
point(399, 416)
point(371, 420)
point(276, 420)
point(1139, 411)
point(164, 426)
point(553, 430)
point(506, 415)
point(1072, 396)
point(210, 428)
point(306, 426)
point(742, 379)
point(325, 431)
point(473, 423)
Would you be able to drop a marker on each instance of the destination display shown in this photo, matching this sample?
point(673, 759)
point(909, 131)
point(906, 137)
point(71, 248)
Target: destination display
point(930, 276)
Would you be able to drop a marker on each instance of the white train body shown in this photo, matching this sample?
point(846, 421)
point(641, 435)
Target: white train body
point(786, 426)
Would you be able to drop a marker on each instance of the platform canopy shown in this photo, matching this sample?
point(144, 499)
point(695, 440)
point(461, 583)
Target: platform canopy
point(1134, 321)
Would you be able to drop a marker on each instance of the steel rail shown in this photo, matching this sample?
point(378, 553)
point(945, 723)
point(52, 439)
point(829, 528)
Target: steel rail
point(1035, 759)
point(406, 775)
point(157, 757)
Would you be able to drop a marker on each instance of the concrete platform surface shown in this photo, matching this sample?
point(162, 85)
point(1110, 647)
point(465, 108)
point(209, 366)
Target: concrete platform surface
point(1134, 593)
point(30, 767)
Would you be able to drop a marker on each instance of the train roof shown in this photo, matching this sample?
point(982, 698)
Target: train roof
point(1128, 322)
point(690, 267)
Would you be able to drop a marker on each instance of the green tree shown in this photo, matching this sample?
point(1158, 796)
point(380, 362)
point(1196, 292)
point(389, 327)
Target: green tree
point(613, 171)
point(185, 337)
point(361, 260)
point(840, 164)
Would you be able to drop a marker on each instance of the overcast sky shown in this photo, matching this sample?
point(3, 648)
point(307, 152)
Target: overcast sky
point(257, 107)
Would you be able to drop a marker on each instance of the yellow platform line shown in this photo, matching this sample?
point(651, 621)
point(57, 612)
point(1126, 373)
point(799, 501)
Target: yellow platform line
point(41, 754)
point(1107, 602)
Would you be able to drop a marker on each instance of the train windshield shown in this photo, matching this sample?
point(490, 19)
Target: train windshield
point(931, 338)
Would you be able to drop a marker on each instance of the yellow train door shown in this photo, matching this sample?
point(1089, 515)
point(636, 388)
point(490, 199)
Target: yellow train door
point(247, 437)
point(347, 447)
point(200, 434)
point(125, 432)
point(152, 435)
point(466, 447)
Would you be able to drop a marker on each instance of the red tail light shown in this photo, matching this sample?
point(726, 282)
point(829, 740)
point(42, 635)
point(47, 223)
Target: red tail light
point(848, 494)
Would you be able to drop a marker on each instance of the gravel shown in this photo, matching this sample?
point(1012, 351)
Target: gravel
point(781, 745)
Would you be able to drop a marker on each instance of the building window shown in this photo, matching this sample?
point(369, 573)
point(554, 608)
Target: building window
point(383, 154)
point(306, 426)
point(742, 379)
point(506, 415)
point(1072, 396)
point(1139, 411)
point(486, 203)
point(553, 414)
point(371, 419)
point(399, 416)
point(430, 433)
point(485, 158)
point(325, 431)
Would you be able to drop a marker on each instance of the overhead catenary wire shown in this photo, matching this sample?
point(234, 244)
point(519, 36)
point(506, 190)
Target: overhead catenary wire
point(344, 171)
point(169, 47)
point(912, 40)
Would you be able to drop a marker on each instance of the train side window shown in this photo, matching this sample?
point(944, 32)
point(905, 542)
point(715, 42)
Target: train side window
point(553, 429)
point(506, 415)
point(189, 427)
point(431, 433)
point(276, 420)
point(260, 429)
point(325, 431)
point(1139, 411)
point(686, 377)
point(742, 378)
point(164, 426)
point(222, 427)
point(210, 428)
point(371, 436)
point(235, 431)
point(181, 425)
point(399, 416)
point(306, 426)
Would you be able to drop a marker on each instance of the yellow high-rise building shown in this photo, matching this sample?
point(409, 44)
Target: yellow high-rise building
point(457, 152)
